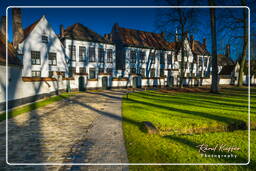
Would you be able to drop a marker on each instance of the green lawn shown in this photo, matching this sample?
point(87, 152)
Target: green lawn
point(19, 110)
point(184, 121)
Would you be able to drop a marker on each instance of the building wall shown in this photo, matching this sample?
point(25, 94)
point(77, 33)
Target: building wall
point(147, 65)
point(86, 64)
point(2, 83)
point(34, 43)
point(20, 92)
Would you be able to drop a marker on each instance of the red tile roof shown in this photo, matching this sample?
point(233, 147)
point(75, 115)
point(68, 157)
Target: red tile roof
point(80, 32)
point(223, 60)
point(138, 38)
point(29, 29)
point(12, 58)
point(199, 49)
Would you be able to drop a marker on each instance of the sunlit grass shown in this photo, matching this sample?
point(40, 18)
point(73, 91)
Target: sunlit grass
point(186, 120)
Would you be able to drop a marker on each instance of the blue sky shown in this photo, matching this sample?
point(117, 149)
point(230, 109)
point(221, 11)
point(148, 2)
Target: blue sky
point(101, 20)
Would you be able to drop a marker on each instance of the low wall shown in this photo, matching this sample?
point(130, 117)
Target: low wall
point(20, 92)
point(24, 91)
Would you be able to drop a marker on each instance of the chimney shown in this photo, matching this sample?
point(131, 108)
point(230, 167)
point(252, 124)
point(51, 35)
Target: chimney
point(204, 42)
point(17, 30)
point(186, 35)
point(192, 42)
point(3, 25)
point(61, 31)
point(162, 34)
point(115, 27)
point(108, 37)
point(176, 36)
point(227, 54)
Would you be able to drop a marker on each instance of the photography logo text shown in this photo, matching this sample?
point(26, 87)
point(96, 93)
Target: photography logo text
point(217, 151)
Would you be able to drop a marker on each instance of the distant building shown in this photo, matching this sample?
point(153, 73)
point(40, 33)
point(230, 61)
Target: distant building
point(91, 58)
point(148, 56)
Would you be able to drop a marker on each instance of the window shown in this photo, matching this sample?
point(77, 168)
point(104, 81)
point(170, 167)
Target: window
point(82, 70)
point(61, 73)
point(36, 73)
point(142, 57)
point(186, 53)
point(82, 52)
point(191, 66)
point(101, 55)
point(162, 61)
point(101, 70)
point(152, 73)
point(175, 58)
point(133, 56)
point(142, 72)
point(169, 59)
point(44, 39)
point(200, 61)
point(92, 73)
point(152, 57)
point(185, 65)
point(200, 73)
point(109, 55)
point(161, 72)
point(133, 70)
point(72, 52)
point(50, 74)
point(35, 58)
point(91, 54)
point(109, 70)
point(205, 62)
point(52, 58)
point(169, 73)
point(72, 70)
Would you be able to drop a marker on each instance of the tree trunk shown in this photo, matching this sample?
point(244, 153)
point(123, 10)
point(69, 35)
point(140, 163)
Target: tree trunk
point(182, 57)
point(215, 79)
point(245, 46)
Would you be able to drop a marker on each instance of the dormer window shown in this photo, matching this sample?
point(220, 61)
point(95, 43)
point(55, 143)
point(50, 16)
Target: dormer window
point(44, 39)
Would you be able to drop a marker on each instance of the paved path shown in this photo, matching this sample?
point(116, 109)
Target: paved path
point(85, 128)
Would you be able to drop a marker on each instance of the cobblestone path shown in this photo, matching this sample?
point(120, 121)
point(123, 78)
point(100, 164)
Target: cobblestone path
point(85, 128)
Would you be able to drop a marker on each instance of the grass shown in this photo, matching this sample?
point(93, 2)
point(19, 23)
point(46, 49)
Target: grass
point(20, 110)
point(186, 120)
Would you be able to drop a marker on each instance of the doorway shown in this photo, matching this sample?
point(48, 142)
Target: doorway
point(105, 83)
point(81, 84)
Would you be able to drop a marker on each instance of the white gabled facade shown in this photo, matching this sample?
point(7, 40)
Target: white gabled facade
point(82, 62)
point(82, 59)
point(38, 46)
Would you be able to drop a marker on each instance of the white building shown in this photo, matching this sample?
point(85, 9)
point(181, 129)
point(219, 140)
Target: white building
point(41, 52)
point(37, 64)
point(147, 59)
point(91, 57)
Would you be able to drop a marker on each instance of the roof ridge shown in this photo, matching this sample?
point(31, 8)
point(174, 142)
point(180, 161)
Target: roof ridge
point(140, 30)
point(30, 28)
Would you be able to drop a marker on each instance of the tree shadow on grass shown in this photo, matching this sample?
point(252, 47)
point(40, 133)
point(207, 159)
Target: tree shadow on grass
point(233, 124)
point(203, 99)
point(189, 102)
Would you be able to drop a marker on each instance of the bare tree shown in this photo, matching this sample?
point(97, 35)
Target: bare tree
point(215, 80)
point(245, 44)
point(234, 29)
point(184, 19)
